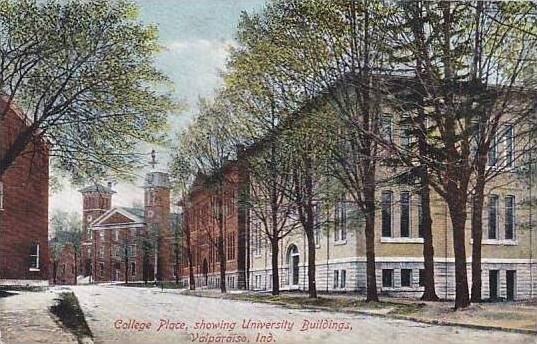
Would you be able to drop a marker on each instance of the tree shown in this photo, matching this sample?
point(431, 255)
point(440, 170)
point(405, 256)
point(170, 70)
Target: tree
point(469, 84)
point(84, 81)
point(204, 151)
point(67, 229)
point(330, 50)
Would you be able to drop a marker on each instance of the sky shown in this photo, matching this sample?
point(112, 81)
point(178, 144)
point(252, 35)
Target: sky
point(196, 36)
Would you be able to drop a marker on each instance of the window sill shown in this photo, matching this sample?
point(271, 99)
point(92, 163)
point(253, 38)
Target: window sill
point(409, 289)
point(340, 242)
point(500, 242)
point(401, 240)
point(34, 269)
point(257, 255)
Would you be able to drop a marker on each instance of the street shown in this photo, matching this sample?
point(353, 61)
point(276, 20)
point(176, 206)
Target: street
point(138, 315)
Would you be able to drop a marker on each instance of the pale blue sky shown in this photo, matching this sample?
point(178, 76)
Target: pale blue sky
point(196, 35)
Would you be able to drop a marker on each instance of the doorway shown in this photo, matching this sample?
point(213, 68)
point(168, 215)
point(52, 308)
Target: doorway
point(293, 259)
point(511, 284)
point(493, 284)
point(205, 271)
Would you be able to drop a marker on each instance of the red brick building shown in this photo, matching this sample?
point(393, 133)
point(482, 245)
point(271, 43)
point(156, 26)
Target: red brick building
point(24, 257)
point(133, 244)
point(199, 216)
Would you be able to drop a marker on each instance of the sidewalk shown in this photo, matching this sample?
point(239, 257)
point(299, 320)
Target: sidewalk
point(25, 319)
point(507, 316)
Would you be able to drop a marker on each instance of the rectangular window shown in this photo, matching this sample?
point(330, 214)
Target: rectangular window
point(101, 269)
point(343, 278)
point(422, 278)
point(34, 256)
point(406, 134)
point(386, 207)
point(493, 152)
point(493, 217)
point(406, 277)
point(386, 128)
point(117, 234)
point(336, 278)
point(405, 214)
point(133, 269)
point(101, 234)
point(340, 232)
point(317, 223)
point(510, 217)
point(101, 252)
point(421, 227)
point(509, 145)
point(387, 278)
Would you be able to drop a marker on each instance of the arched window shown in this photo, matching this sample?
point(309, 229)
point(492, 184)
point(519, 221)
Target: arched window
point(293, 259)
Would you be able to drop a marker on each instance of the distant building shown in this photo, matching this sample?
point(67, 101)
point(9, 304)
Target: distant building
point(24, 258)
point(199, 215)
point(119, 243)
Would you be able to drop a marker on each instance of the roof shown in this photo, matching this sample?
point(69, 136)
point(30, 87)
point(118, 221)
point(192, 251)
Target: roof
point(135, 211)
point(97, 188)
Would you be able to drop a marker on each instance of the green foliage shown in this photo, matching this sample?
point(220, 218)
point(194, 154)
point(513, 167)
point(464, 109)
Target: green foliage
point(66, 228)
point(83, 73)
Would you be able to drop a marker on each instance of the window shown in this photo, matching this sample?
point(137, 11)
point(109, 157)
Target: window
point(116, 232)
point(406, 277)
point(317, 223)
point(336, 278)
point(343, 278)
point(101, 252)
point(230, 246)
point(493, 152)
point(510, 217)
point(405, 214)
point(406, 133)
point(133, 269)
point(387, 278)
point(386, 128)
point(386, 206)
point(340, 232)
point(421, 227)
point(422, 278)
point(493, 217)
point(101, 269)
point(34, 256)
point(257, 239)
point(1, 195)
point(101, 234)
point(509, 145)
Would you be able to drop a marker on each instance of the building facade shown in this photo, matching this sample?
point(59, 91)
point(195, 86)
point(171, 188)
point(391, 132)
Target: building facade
point(509, 248)
point(129, 244)
point(200, 215)
point(24, 258)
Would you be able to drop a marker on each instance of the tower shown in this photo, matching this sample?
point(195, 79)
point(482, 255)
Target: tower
point(96, 200)
point(157, 217)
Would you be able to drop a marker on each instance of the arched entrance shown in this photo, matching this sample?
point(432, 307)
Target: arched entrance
point(205, 271)
point(293, 260)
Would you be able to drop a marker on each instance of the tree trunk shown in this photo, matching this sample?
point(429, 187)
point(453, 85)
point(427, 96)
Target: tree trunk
point(457, 211)
point(221, 243)
point(477, 236)
point(76, 268)
point(369, 196)
point(312, 286)
point(426, 224)
point(275, 271)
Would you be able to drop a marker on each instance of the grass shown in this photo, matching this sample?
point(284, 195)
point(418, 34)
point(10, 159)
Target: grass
point(328, 303)
point(70, 315)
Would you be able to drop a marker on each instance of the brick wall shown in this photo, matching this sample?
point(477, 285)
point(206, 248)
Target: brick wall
point(24, 218)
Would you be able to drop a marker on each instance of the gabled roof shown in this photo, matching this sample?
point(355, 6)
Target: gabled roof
point(98, 188)
point(122, 215)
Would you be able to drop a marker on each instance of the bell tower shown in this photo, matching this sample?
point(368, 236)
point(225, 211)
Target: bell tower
point(157, 217)
point(96, 200)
